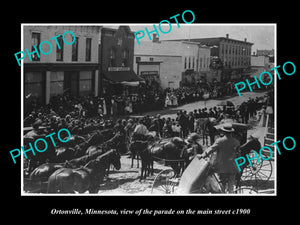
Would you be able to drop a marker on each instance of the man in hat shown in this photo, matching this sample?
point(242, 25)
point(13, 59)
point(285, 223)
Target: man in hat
point(194, 146)
point(35, 133)
point(226, 148)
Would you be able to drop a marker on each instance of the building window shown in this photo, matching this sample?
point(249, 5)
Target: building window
point(85, 82)
point(36, 40)
point(125, 56)
point(33, 85)
point(88, 49)
point(185, 62)
point(189, 62)
point(137, 59)
point(60, 51)
point(56, 83)
point(75, 50)
point(112, 57)
point(200, 63)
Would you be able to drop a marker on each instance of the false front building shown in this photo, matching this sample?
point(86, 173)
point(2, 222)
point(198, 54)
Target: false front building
point(116, 60)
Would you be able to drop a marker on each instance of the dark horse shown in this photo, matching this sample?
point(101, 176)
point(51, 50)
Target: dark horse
point(112, 143)
point(140, 148)
point(66, 180)
point(75, 149)
point(172, 151)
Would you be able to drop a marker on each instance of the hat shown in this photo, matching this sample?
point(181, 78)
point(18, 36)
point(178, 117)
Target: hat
point(227, 128)
point(193, 137)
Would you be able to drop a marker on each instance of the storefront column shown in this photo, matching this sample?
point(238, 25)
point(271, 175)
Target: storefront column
point(47, 87)
point(96, 82)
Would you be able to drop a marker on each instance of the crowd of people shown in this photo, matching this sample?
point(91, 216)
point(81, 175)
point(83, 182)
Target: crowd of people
point(197, 92)
point(82, 114)
point(143, 99)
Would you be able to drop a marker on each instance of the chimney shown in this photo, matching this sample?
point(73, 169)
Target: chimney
point(155, 38)
point(245, 39)
point(227, 36)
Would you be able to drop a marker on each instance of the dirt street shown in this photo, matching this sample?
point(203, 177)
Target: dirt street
point(126, 180)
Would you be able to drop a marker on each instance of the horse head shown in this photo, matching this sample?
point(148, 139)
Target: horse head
point(178, 142)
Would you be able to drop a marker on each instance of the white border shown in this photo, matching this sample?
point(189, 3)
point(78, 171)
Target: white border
point(147, 24)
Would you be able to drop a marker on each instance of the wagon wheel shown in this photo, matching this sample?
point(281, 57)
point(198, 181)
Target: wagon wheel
point(245, 190)
point(164, 182)
point(258, 174)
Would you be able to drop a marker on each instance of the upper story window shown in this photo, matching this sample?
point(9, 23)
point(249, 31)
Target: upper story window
point(60, 51)
point(125, 56)
point(75, 50)
point(35, 40)
point(112, 57)
point(88, 49)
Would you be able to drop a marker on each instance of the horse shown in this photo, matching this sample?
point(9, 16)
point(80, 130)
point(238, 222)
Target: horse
point(39, 158)
point(42, 172)
point(172, 151)
point(80, 161)
point(73, 140)
point(86, 178)
point(114, 143)
point(67, 152)
point(140, 148)
point(64, 153)
point(134, 147)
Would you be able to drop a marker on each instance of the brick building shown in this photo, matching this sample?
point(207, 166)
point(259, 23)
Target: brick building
point(231, 57)
point(73, 68)
point(116, 59)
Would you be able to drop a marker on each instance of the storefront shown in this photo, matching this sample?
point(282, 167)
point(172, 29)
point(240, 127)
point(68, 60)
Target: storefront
point(41, 82)
point(118, 80)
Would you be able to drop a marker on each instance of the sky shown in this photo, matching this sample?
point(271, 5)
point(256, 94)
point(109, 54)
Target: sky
point(261, 35)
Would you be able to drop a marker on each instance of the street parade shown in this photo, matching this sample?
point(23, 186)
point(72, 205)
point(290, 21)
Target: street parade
point(103, 114)
point(124, 139)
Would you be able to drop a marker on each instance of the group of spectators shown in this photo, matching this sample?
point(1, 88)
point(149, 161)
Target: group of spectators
point(145, 98)
point(197, 92)
point(83, 114)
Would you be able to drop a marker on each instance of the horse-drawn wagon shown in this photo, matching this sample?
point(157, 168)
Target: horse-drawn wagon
point(199, 177)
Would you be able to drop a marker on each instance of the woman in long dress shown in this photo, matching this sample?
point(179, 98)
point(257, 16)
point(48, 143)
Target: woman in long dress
point(167, 101)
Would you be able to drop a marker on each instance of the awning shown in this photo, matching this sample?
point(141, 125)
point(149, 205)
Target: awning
point(122, 76)
point(132, 83)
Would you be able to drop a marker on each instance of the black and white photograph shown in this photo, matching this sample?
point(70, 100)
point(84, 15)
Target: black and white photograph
point(149, 112)
point(123, 109)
